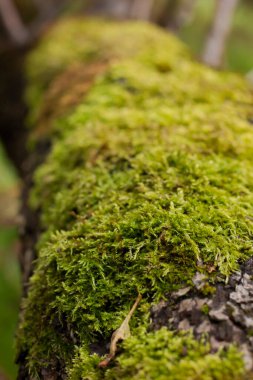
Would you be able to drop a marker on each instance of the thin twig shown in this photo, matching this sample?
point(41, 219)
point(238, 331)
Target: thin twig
point(13, 22)
point(219, 32)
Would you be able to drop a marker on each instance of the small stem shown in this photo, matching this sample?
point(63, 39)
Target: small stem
point(219, 32)
point(129, 315)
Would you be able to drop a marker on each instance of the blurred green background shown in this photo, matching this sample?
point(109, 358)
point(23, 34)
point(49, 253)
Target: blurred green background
point(239, 58)
point(239, 54)
point(9, 269)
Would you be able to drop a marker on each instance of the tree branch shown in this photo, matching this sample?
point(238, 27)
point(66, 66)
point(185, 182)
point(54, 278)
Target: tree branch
point(13, 22)
point(219, 32)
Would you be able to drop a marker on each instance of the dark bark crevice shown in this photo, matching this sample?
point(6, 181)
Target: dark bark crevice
point(223, 311)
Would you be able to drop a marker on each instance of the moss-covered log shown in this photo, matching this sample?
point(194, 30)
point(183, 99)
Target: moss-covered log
point(147, 189)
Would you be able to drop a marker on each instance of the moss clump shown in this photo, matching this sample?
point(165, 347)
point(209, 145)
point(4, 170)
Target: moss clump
point(149, 174)
point(162, 355)
point(87, 41)
point(205, 309)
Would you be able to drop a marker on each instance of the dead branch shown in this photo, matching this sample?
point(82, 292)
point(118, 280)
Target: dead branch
point(13, 22)
point(219, 32)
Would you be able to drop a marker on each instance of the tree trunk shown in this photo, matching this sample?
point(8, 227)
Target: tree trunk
point(140, 189)
point(216, 40)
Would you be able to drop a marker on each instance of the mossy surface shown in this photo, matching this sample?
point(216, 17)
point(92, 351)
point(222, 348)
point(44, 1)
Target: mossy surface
point(163, 355)
point(149, 180)
point(88, 41)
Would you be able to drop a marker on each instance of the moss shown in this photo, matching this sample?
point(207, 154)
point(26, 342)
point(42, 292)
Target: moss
point(89, 41)
point(208, 289)
point(162, 355)
point(205, 309)
point(149, 174)
point(58, 99)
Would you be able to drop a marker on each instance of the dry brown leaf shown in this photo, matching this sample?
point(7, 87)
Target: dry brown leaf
point(122, 333)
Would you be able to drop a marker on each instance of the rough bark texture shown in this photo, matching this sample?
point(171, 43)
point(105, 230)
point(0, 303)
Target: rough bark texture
point(225, 315)
point(147, 187)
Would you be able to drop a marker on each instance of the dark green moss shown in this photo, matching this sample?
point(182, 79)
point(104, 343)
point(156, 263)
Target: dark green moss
point(150, 174)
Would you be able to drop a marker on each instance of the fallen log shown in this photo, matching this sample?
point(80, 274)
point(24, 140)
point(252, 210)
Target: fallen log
point(145, 190)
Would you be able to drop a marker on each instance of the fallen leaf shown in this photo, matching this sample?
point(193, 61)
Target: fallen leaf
point(122, 333)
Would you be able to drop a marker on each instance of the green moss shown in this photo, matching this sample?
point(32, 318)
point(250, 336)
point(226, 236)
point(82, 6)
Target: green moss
point(205, 309)
point(162, 355)
point(148, 175)
point(88, 41)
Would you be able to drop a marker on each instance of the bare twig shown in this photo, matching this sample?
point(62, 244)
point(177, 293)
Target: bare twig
point(122, 333)
point(20, 33)
point(217, 37)
point(13, 22)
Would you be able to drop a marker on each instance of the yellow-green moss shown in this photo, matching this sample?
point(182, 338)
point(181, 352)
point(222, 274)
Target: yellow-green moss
point(88, 41)
point(150, 174)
